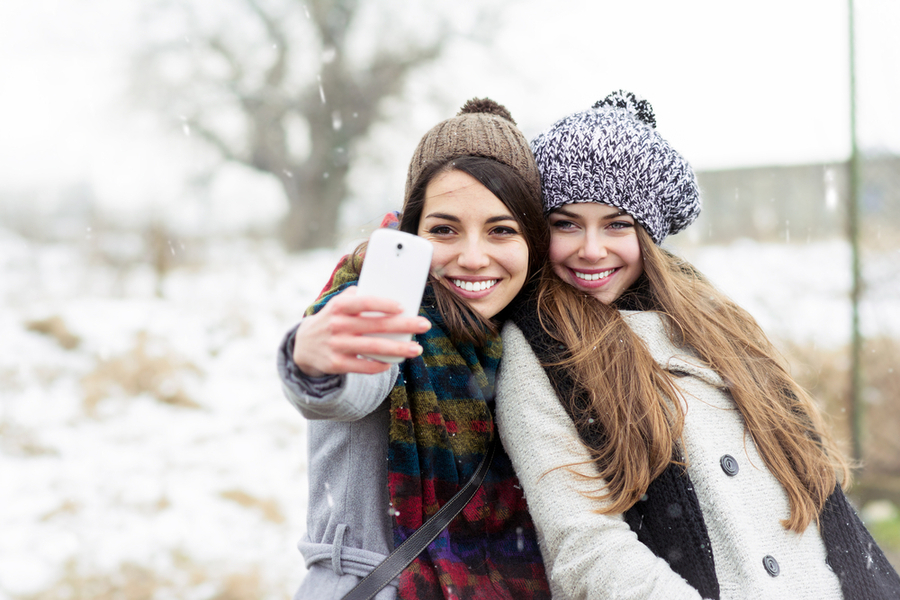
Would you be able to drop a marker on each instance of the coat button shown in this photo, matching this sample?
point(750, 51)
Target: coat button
point(771, 566)
point(729, 465)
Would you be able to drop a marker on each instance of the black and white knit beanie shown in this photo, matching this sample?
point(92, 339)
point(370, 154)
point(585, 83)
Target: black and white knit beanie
point(613, 154)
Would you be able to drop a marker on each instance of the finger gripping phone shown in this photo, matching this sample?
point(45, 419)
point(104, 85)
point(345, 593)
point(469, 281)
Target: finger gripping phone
point(395, 266)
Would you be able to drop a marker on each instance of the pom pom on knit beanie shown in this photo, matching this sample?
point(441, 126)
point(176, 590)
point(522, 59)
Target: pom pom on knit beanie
point(613, 154)
point(481, 128)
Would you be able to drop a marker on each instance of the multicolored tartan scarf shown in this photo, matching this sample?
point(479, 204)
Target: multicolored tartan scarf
point(440, 429)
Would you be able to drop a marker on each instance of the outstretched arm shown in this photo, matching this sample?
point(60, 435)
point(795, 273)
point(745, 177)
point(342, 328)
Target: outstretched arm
point(344, 397)
point(332, 341)
point(587, 555)
point(322, 371)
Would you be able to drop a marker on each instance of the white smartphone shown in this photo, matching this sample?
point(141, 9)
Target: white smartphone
point(395, 266)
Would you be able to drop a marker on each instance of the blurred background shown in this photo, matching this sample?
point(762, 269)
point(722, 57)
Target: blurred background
point(179, 177)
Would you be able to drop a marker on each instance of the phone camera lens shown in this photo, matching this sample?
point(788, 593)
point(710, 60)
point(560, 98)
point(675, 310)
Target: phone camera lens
point(399, 246)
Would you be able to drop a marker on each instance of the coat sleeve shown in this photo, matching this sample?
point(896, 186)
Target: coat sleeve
point(347, 397)
point(586, 555)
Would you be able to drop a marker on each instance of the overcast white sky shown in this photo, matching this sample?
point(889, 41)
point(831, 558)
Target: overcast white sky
point(733, 83)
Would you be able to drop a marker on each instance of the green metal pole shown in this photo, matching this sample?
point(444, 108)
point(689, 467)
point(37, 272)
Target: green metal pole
point(856, 401)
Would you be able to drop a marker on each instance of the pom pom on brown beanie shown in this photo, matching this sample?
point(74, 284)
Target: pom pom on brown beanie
point(481, 128)
point(613, 154)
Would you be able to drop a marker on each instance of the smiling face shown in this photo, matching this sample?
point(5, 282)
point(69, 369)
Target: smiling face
point(594, 248)
point(480, 253)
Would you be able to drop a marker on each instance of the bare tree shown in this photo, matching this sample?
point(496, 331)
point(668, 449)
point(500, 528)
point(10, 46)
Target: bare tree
point(284, 86)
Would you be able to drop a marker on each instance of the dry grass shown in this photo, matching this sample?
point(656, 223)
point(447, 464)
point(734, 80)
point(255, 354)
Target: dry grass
point(136, 372)
point(55, 328)
point(10, 379)
point(240, 586)
point(826, 374)
point(136, 582)
point(129, 582)
point(19, 441)
point(67, 507)
point(881, 416)
point(268, 507)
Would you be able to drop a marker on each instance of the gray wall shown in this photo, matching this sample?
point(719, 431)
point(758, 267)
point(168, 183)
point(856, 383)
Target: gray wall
point(796, 203)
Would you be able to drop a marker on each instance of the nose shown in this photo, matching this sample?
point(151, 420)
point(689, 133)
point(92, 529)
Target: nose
point(473, 255)
point(593, 248)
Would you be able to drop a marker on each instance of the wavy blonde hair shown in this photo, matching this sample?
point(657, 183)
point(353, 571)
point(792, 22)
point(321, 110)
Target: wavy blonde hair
point(627, 392)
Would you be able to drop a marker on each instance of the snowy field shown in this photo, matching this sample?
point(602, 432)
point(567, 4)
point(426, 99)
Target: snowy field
point(146, 449)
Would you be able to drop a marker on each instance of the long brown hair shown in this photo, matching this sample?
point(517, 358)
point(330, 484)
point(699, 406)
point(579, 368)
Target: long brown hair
point(520, 198)
point(629, 393)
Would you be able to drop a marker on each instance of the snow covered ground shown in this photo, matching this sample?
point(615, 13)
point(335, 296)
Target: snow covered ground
point(145, 443)
point(161, 441)
point(800, 292)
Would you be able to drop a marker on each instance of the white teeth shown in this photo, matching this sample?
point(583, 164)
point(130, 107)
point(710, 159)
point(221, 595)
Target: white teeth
point(593, 276)
point(474, 286)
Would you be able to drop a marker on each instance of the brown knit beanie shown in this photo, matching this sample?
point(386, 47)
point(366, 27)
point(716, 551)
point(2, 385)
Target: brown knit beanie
point(481, 128)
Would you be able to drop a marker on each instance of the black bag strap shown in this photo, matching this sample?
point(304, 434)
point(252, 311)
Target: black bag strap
point(412, 546)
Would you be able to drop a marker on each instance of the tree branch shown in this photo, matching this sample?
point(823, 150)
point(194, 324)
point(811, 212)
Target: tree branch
point(332, 19)
point(263, 96)
point(217, 45)
point(276, 72)
point(215, 140)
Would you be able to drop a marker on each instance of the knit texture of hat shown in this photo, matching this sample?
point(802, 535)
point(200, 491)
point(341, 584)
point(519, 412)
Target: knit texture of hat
point(613, 154)
point(481, 128)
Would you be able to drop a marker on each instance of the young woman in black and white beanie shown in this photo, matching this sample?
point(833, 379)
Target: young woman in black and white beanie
point(664, 448)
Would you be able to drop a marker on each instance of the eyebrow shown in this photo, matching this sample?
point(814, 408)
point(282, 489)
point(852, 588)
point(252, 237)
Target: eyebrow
point(455, 219)
point(563, 211)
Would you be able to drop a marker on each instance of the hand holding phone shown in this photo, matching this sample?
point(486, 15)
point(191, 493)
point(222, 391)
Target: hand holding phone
point(395, 266)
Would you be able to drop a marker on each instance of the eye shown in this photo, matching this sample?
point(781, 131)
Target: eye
point(617, 225)
point(562, 224)
point(504, 230)
point(440, 230)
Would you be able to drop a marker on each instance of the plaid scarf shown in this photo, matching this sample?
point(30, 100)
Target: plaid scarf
point(441, 426)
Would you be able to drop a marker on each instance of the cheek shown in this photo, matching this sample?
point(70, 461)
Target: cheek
point(560, 270)
point(441, 256)
point(632, 254)
point(514, 259)
point(560, 250)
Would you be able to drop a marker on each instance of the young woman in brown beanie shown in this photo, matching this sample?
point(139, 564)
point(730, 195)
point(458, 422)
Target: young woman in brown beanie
point(664, 448)
point(391, 444)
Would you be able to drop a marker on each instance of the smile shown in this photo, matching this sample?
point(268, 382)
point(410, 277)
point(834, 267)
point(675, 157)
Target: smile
point(593, 276)
point(474, 286)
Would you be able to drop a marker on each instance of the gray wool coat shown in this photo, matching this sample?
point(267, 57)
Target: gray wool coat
point(349, 530)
